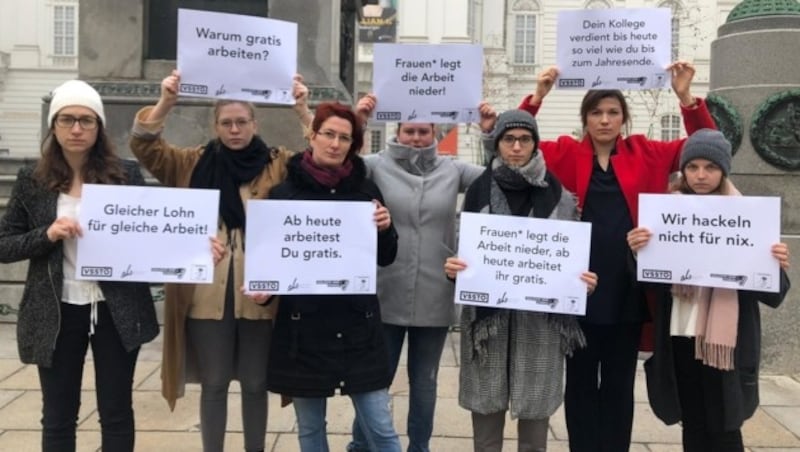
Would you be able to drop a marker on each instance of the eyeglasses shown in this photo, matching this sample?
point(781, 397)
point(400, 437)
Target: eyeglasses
point(524, 140)
point(239, 123)
point(68, 122)
point(330, 135)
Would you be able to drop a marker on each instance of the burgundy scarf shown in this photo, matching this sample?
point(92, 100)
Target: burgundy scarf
point(325, 176)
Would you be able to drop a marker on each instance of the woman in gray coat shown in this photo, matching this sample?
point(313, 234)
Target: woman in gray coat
point(514, 360)
point(416, 299)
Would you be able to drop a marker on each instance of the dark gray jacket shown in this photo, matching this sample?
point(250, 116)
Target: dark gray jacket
point(23, 235)
point(739, 387)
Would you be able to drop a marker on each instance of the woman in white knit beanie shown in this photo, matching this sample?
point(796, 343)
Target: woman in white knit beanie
point(60, 316)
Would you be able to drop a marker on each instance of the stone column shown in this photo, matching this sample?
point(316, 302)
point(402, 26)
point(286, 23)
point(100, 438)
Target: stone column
point(755, 99)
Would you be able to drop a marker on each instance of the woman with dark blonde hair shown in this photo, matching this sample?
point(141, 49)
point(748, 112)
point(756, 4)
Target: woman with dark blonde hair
point(60, 316)
point(325, 343)
point(212, 332)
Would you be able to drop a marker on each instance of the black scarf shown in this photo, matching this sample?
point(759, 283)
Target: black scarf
point(226, 169)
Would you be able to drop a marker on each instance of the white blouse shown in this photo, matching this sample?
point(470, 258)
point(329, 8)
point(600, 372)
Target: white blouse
point(75, 291)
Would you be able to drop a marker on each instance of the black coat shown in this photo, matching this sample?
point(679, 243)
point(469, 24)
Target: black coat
point(23, 235)
point(740, 386)
point(324, 342)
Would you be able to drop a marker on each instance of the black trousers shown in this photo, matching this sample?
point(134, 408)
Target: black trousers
point(700, 395)
point(61, 383)
point(598, 397)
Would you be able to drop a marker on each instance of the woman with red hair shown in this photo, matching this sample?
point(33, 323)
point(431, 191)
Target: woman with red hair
point(322, 343)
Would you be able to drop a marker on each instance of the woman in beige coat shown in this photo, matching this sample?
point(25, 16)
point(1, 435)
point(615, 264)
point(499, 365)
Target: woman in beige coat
point(213, 333)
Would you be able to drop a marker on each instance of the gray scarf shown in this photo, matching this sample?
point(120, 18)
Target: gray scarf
point(488, 320)
point(417, 161)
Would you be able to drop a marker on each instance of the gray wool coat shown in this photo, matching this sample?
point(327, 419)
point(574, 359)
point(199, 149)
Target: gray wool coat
point(421, 189)
point(524, 359)
point(23, 235)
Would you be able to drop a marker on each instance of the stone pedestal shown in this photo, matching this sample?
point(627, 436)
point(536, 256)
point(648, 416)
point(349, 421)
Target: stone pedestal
point(755, 98)
point(111, 39)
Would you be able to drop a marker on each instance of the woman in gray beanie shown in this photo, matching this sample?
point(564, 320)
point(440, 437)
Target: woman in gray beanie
point(704, 368)
point(607, 170)
point(514, 360)
point(60, 316)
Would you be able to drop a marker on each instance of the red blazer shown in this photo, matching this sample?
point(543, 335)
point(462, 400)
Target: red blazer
point(642, 165)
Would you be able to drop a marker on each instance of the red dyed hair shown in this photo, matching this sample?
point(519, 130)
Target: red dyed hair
point(327, 109)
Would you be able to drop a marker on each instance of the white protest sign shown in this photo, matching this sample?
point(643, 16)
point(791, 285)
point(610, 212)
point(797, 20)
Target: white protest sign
point(153, 234)
point(427, 83)
point(230, 56)
point(310, 247)
point(616, 48)
point(713, 241)
point(523, 263)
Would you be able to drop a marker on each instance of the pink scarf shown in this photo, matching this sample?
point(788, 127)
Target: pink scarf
point(717, 318)
point(717, 323)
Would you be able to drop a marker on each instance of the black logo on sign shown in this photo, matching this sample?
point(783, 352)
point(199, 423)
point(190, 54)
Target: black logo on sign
point(264, 286)
point(738, 279)
point(193, 89)
point(552, 302)
point(571, 83)
point(343, 283)
point(388, 116)
point(473, 297)
point(166, 271)
point(633, 80)
point(97, 272)
point(665, 275)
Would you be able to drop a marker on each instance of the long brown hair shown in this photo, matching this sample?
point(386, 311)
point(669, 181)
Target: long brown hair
point(102, 166)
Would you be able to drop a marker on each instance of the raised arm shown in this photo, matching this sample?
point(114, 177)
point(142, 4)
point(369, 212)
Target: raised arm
point(300, 93)
point(169, 164)
point(365, 107)
point(544, 83)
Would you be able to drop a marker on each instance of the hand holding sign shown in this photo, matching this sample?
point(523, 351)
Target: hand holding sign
point(780, 251)
point(682, 75)
point(544, 83)
point(638, 238)
point(366, 105)
point(169, 88)
point(64, 228)
point(488, 116)
point(382, 217)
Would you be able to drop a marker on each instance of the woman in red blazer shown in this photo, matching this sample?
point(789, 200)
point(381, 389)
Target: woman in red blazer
point(607, 170)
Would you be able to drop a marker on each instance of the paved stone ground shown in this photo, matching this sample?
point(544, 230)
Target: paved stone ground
point(775, 427)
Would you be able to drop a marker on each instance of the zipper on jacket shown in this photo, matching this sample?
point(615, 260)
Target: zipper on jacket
point(50, 277)
point(58, 305)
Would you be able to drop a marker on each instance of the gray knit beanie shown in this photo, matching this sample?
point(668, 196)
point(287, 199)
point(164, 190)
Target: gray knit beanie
point(515, 119)
point(707, 144)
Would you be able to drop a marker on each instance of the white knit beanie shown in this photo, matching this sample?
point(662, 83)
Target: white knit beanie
point(75, 92)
